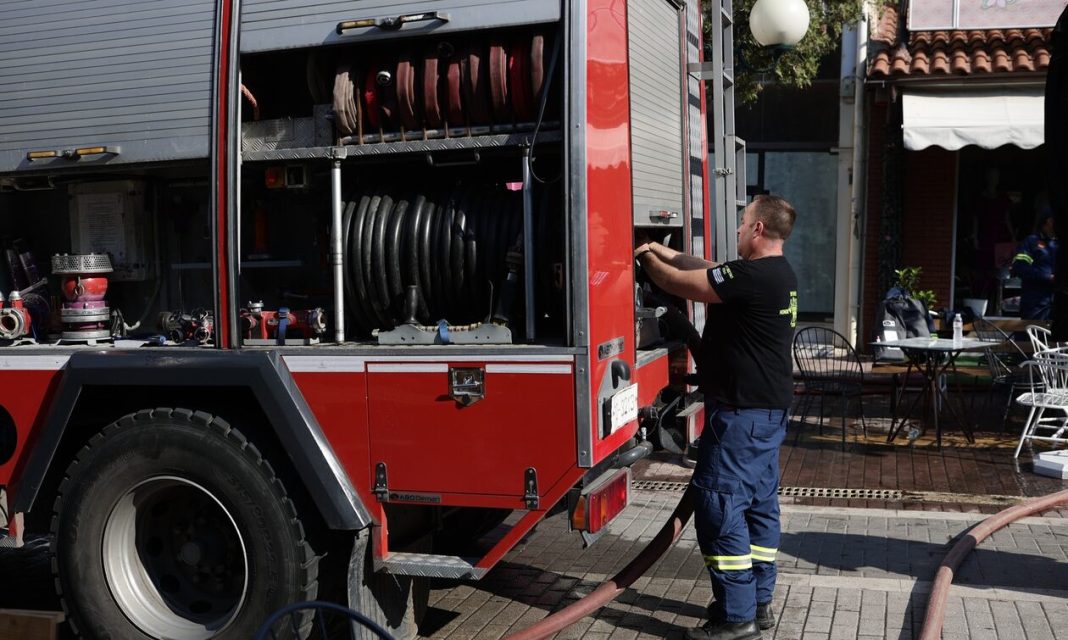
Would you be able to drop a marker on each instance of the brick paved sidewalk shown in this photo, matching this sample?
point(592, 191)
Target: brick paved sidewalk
point(844, 573)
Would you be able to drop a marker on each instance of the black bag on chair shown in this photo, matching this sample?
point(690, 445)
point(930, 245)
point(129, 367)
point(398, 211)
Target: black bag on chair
point(896, 318)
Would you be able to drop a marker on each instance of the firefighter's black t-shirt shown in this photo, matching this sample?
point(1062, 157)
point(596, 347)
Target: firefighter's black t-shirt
point(747, 337)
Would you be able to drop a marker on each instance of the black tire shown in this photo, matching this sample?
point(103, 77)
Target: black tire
point(396, 603)
point(170, 523)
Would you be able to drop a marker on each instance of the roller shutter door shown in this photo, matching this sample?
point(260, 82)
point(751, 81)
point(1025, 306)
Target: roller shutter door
point(129, 73)
point(283, 24)
point(656, 101)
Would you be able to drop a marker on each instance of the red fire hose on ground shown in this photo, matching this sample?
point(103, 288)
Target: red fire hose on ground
point(610, 589)
point(936, 603)
point(672, 529)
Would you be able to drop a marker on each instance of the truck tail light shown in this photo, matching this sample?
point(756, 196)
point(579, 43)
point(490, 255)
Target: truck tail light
point(602, 501)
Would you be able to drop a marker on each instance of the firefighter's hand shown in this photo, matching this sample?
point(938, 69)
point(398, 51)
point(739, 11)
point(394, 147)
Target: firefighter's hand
point(642, 249)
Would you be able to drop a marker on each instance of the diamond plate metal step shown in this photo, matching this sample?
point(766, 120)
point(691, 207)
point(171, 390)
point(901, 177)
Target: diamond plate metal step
point(427, 565)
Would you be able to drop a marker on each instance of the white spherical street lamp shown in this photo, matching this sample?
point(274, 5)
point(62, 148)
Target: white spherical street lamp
point(779, 22)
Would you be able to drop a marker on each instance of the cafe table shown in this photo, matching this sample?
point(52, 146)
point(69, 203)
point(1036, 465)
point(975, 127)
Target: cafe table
point(932, 357)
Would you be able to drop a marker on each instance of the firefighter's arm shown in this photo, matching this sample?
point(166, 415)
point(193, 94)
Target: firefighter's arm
point(677, 259)
point(691, 284)
point(1023, 266)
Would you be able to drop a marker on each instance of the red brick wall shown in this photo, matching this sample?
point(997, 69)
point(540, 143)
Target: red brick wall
point(930, 178)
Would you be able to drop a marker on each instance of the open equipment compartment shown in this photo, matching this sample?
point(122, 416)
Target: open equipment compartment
point(437, 156)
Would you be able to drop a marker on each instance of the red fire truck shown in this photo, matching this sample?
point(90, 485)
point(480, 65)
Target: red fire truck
point(310, 299)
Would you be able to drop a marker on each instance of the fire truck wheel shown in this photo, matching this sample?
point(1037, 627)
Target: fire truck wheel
point(397, 603)
point(170, 524)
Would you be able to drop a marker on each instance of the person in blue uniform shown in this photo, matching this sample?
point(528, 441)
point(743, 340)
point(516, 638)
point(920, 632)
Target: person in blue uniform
point(747, 381)
point(1034, 265)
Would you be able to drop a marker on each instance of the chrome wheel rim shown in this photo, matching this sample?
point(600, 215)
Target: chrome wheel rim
point(174, 559)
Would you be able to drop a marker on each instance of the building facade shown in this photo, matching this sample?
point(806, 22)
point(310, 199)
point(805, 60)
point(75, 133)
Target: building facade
point(955, 164)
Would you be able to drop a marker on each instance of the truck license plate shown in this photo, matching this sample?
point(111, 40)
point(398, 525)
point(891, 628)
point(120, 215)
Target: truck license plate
point(624, 407)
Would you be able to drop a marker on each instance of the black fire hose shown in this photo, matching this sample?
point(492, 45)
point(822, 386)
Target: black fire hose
point(452, 246)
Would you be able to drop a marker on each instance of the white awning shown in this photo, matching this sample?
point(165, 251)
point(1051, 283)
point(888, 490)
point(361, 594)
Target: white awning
point(988, 119)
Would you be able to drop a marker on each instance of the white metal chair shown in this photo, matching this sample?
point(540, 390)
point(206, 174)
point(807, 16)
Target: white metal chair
point(1049, 383)
point(1041, 338)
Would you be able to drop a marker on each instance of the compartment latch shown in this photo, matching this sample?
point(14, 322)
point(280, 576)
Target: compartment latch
point(381, 489)
point(467, 384)
point(530, 493)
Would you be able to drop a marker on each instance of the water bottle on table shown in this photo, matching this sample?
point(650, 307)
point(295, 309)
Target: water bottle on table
point(958, 331)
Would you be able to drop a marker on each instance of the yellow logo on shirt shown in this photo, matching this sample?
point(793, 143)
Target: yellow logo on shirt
point(791, 310)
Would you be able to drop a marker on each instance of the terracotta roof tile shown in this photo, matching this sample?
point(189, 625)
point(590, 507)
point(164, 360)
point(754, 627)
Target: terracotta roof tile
point(959, 61)
point(1021, 60)
point(887, 28)
point(1001, 62)
point(958, 52)
point(1041, 56)
point(940, 62)
point(920, 62)
point(900, 61)
point(880, 65)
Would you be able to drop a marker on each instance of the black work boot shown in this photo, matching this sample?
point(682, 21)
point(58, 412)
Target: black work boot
point(723, 630)
point(765, 617)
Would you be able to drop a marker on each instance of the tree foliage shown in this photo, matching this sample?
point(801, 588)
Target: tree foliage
point(797, 67)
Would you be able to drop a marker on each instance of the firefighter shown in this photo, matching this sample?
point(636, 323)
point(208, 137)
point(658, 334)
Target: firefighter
point(1033, 264)
point(747, 380)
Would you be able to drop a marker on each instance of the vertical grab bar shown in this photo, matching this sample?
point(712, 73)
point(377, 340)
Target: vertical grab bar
point(335, 253)
point(528, 246)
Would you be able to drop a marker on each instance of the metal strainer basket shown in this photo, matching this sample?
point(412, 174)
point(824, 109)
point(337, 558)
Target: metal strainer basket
point(71, 264)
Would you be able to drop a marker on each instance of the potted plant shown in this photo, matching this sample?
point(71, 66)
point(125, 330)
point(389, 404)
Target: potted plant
point(908, 279)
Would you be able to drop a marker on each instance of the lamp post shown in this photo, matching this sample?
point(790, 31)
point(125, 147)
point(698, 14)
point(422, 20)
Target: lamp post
point(777, 23)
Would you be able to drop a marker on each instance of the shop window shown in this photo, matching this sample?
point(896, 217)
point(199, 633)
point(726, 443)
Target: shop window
point(808, 179)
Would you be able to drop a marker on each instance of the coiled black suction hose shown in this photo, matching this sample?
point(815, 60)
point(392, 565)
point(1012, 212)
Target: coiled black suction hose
point(452, 245)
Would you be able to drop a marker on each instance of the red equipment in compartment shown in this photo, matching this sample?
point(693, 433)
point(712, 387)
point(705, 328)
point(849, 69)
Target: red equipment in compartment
point(85, 313)
point(258, 323)
point(15, 321)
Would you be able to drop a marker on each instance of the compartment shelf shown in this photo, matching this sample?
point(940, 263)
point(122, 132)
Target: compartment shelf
point(459, 143)
point(247, 264)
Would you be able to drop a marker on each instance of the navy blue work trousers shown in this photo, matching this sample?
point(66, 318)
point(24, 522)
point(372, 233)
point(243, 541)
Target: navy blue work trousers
point(736, 508)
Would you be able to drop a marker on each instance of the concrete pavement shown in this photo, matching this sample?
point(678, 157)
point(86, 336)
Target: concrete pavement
point(844, 573)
